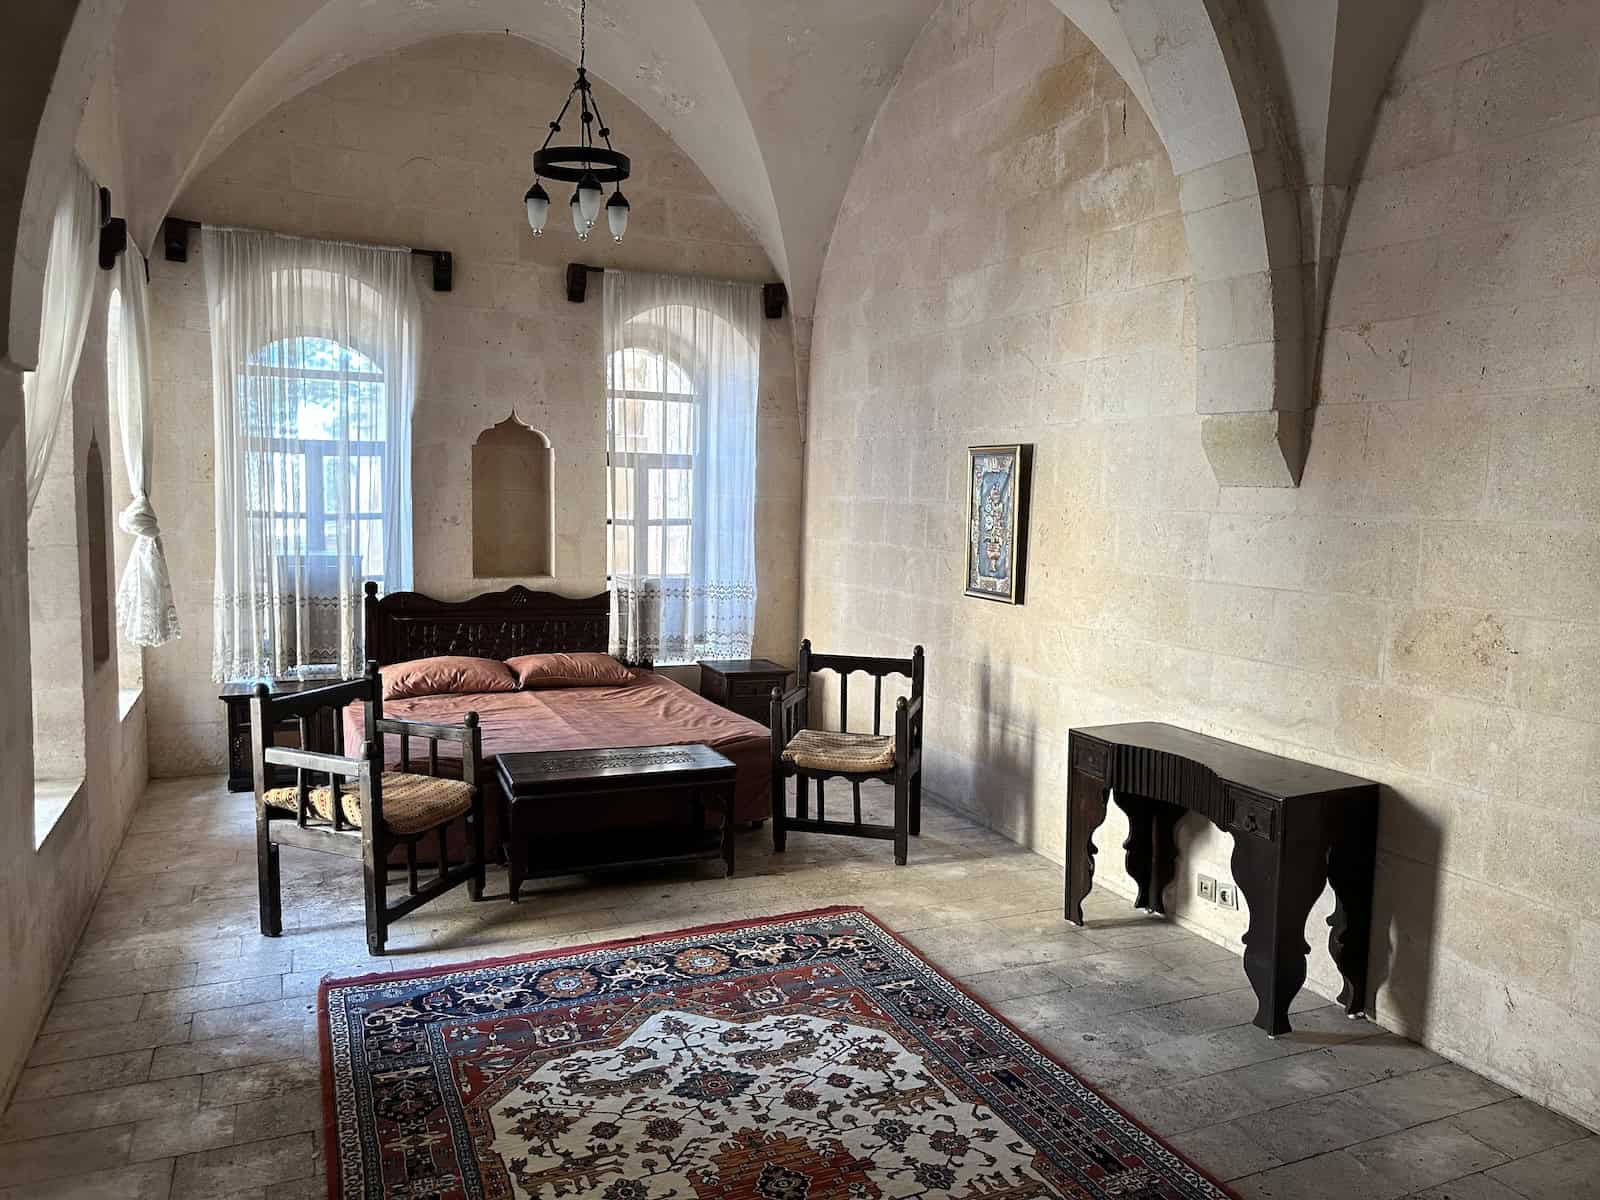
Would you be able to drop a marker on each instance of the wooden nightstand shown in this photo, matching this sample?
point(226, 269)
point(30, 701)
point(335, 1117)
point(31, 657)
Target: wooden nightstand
point(235, 699)
point(743, 684)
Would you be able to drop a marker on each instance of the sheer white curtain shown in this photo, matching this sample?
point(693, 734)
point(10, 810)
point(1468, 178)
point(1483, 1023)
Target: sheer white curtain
point(313, 365)
point(683, 359)
point(145, 609)
point(69, 280)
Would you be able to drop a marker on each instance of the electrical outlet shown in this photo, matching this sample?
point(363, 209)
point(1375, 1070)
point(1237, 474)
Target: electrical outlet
point(1227, 896)
point(1208, 888)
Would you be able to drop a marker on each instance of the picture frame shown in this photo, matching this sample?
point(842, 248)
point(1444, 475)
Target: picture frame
point(999, 480)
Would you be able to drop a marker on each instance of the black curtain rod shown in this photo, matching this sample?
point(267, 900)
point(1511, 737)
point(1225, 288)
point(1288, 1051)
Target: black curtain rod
point(175, 239)
point(774, 296)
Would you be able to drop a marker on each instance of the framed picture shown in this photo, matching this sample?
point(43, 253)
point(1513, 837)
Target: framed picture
point(997, 520)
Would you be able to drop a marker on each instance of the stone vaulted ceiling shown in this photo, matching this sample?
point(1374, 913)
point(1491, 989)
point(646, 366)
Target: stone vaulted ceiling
point(772, 100)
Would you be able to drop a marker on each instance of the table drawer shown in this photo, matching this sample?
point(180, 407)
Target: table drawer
point(746, 688)
point(1092, 758)
point(1257, 815)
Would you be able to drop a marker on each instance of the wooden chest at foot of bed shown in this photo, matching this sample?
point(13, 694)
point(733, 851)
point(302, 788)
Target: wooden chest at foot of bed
point(562, 809)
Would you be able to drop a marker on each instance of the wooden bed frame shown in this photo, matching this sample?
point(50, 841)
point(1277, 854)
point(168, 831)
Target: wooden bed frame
point(407, 625)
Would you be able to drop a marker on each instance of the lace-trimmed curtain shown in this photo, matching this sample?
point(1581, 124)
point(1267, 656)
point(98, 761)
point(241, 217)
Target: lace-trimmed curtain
point(683, 361)
point(313, 363)
point(146, 612)
point(70, 264)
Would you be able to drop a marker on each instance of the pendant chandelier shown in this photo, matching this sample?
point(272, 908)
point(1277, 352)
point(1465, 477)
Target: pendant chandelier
point(586, 164)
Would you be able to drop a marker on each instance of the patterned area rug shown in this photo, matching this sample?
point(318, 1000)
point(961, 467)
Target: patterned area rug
point(806, 1057)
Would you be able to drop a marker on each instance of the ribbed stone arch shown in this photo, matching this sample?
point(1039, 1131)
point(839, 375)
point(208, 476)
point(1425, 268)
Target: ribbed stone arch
point(1201, 78)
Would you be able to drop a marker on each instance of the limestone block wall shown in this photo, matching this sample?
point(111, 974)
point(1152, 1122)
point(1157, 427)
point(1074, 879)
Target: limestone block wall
point(47, 891)
point(1010, 265)
point(431, 147)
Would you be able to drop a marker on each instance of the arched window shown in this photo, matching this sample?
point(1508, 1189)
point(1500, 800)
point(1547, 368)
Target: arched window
point(682, 362)
point(650, 422)
point(315, 421)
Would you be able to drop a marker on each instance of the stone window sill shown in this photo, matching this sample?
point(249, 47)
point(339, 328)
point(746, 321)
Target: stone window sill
point(51, 799)
point(127, 698)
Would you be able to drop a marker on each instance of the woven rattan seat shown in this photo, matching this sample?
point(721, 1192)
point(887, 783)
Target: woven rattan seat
point(411, 803)
point(830, 750)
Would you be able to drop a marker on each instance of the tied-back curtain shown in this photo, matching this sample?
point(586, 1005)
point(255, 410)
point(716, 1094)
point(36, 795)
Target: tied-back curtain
point(145, 608)
point(313, 364)
point(70, 264)
point(683, 360)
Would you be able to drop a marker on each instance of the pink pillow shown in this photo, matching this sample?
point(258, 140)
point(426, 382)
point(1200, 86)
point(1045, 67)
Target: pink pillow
point(568, 670)
point(446, 674)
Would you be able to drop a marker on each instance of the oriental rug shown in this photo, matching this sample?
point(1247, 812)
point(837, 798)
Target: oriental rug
point(812, 1056)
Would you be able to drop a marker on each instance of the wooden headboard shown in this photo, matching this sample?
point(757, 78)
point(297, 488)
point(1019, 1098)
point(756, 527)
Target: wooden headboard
point(407, 625)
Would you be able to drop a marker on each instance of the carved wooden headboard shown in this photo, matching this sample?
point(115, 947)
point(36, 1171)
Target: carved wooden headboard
point(407, 625)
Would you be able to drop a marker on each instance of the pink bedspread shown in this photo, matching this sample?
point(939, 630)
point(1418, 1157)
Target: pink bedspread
point(652, 710)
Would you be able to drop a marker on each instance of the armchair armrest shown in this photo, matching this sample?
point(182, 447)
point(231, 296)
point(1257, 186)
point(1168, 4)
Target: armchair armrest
point(467, 734)
point(907, 729)
point(310, 760)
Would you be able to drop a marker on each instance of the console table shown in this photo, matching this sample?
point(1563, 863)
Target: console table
point(1295, 828)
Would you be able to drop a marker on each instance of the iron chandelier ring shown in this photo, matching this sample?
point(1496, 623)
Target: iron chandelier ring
point(570, 164)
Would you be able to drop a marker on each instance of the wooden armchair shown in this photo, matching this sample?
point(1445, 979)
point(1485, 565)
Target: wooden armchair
point(378, 811)
point(814, 754)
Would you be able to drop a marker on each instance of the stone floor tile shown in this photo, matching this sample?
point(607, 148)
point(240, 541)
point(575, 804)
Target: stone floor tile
point(299, 1111)
point(92, 1014)
point(40, 1159)
point(1468, 1187)
point(1335, 1176)
point(1315, 1126)
point(1432, 1094)
point(186, 1133)
point(107, 1039)
point(78, 987)
point(177, 1001)
point(1225, 1151)
point(1518, 1127)
point(261, 1082)
point(1013, 983)
point(1569, 1172)
point(214, 1173)
point(90, 1110)
point(240, 1050)
point(145, 1181)
point(1385, 1054)
point(84, 1075)
point(1426, 1155)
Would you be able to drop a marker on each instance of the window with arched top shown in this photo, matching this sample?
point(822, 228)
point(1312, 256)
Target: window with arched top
point(650, 416)
point(682, 360)
point(315, 441)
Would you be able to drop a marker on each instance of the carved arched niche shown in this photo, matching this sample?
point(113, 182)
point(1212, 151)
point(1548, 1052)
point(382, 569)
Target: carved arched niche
point(513, 502)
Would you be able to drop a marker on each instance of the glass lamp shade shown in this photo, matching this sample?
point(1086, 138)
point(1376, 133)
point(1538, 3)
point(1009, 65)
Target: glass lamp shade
point(578, 223)
point(589, 195)
point(617, 210)
point(538, 202)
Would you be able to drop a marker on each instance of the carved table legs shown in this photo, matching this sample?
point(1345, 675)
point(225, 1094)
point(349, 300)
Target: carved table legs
point(1280, 895)
point(1352, 862)
point(1086, 809)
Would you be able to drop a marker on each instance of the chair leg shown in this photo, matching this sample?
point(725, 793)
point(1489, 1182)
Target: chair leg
point(780, 816)
point(374, 870)
point(267, 883)
point(902, 817)
point(916, 805)
point(411, 867)
point(475, 850)
point(802, 798)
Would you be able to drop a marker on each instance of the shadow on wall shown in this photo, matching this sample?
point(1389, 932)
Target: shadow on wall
point(1405, 917)
point(1004, 743)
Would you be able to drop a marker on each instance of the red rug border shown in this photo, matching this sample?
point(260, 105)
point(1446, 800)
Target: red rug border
point(325, 1040)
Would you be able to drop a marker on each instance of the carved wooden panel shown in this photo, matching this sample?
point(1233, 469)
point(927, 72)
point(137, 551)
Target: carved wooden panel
point(407, 625)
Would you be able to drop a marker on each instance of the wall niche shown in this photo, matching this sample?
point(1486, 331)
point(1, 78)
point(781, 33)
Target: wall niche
point(513, 502)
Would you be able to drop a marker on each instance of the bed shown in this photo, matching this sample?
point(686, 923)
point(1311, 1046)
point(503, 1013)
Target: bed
point(649, 710)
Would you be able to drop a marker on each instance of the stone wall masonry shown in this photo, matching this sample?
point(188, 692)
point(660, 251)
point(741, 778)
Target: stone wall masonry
point(1009, 265)
point(431, 147)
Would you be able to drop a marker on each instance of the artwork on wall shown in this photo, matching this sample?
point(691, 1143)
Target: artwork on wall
point(997, 520)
